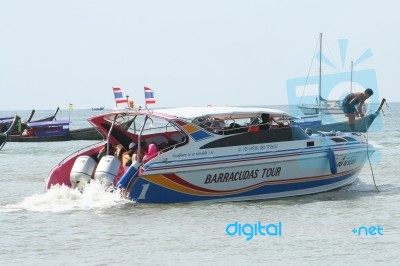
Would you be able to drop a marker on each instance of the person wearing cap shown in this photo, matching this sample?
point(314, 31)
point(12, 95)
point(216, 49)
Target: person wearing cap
point(132, 145)
point(130, 155)
point(350, 102)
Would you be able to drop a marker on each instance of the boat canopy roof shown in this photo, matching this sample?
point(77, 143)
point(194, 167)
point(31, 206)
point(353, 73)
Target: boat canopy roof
point(7, 118)
point(221, 112)
point(209, 111)
point(49, 123)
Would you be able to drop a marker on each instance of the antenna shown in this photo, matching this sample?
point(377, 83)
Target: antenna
point(351, 78)
point(320, 72)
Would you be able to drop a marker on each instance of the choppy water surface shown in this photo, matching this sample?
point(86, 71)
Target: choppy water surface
point(65, 227)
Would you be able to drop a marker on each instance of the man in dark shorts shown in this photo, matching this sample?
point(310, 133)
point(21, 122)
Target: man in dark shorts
point(349, 103)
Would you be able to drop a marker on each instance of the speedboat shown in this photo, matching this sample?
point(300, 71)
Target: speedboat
point(213, 154)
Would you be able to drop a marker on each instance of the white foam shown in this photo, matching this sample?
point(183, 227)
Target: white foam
point(62, 198)
point(360, 186)
point(376, 145)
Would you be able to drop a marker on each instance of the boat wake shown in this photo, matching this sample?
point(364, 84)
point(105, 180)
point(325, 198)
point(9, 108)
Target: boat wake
point(363, 187)
point(61, 198)
point(360, 186)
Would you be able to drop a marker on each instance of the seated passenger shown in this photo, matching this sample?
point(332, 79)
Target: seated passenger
point(119, 151)
point(266, 121)
point(235, 128)
point(130, 155)
point(140, 153)
point(254, 125)
point(151, 152)
point(254, 129)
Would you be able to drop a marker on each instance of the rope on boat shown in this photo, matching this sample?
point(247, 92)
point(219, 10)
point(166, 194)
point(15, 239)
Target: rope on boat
point(370, 165)
point(380, 109)
point(309, 70)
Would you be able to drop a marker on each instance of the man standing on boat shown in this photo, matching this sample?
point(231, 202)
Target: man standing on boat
point(349, 103)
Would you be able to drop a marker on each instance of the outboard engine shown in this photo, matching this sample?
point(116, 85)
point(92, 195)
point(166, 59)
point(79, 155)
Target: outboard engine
point(82, 171)
point(107, 170)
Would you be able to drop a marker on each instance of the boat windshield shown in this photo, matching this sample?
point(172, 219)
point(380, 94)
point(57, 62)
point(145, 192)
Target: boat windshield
point(133, 123)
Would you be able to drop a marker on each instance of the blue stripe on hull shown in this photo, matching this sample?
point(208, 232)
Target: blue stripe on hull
point(159, 194)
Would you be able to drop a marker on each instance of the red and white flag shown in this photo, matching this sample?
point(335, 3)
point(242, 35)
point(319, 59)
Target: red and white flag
point(119, 98)
point(149, 95)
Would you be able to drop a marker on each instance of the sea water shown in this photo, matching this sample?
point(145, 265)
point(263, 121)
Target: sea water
point(355, 225)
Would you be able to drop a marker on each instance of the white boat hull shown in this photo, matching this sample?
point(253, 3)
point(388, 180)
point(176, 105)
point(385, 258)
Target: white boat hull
point(228, 163)
point(273, 176)
point(320, 110)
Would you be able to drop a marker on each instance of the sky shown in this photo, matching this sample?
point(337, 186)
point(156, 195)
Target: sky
point(191, 53)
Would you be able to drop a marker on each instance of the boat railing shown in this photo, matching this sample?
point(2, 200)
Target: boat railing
point(86, 148)
point(3, 140)
point(235, 128)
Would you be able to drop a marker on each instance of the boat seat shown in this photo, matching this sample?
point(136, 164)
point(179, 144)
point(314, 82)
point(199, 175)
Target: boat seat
point(157, 139)
point(178, 137)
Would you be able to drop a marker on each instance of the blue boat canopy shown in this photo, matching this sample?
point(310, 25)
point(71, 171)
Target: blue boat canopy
point(49, 123)
point(7, 118)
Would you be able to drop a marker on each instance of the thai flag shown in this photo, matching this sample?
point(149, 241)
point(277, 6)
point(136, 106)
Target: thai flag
point(119, 98)
point(149, 95)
